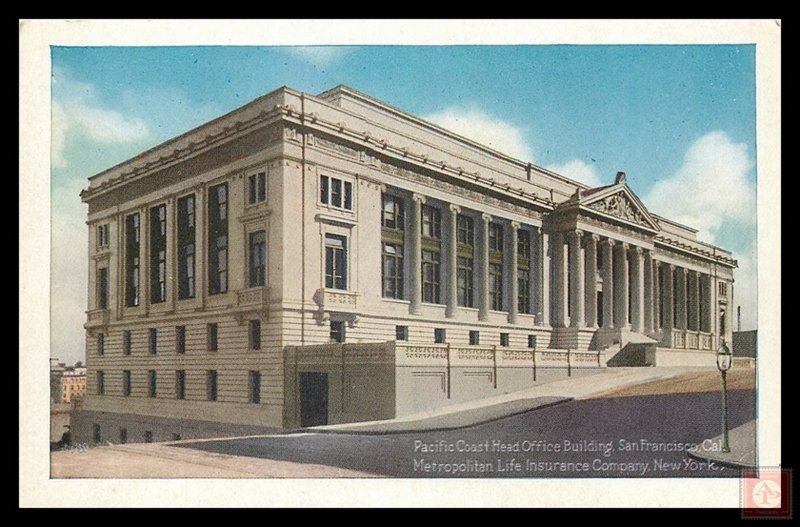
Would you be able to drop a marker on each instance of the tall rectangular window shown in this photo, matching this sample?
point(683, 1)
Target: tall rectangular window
point(257, 188)
point(464, 282)
point(123, 436)
point(504, 339)
point(101, 382)
point(211, 334)
point(180, 384)
point(337, 331)
point(258, 258)
point(152, 340)
point(218, 239)
point(532, 341)
point(335, 262)
point(102, 235)
point(101, 344)
point(393, 213)
point(495, 237)
point(186, 246)
point(158, 254)
point(474, 337)
point(430, 277)
point(126, 342)
point(96, 433)
point(465, 230)
point(439, 336)
point(255, 334)
point(132, 245)
point(336, 192)
point(255, 386)
point(392, 270)
point(211, 385)
point(431, 222)
point(401, 332)
point(102, 288)
point(126, 383)
point(496, 286)
point(180, 339)
point(151, 383)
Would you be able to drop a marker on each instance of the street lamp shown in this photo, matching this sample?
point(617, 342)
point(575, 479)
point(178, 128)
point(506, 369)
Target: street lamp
point(724, 359)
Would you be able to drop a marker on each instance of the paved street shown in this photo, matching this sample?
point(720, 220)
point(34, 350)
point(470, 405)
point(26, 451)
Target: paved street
point(639, 436)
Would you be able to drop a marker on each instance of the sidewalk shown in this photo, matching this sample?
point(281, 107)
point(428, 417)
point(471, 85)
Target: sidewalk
point(479, 411)
point(742, 441)
point(151, 460)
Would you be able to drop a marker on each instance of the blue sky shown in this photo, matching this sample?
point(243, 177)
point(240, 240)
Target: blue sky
point(679, 120)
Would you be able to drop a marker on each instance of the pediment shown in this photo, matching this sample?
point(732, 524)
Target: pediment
point(620, 203)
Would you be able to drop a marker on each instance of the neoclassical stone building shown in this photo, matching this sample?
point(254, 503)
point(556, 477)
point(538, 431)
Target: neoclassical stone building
point(308, 259)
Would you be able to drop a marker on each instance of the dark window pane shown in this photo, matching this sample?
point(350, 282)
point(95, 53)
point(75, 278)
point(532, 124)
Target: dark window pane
point(348, 195)
point(323, 189)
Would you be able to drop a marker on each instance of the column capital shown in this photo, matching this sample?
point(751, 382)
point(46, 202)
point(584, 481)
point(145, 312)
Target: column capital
point(638, 250)
point(685, 271)
point(625, 246)
point(608, 241)
point(455, 209)
point(486, 218)
point(575, 235)
point(419, 198)
point(594, 237)
point(514, 225)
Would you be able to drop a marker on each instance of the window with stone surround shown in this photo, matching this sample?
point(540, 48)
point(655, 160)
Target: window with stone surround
point(158, 254)
point(258, 258)
point(186, 246)
point(336, 192)
point(523, 271)
point(218, 239)
point(257, 188)
point(335, 262)
point(132, 246)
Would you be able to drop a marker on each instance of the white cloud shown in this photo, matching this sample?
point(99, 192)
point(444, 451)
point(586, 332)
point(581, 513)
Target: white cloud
point(711, 192)
point(488, 130)
point(579, 171)
point(68, 279)
point(318, 55)
point(710, 188)
point(75, 110)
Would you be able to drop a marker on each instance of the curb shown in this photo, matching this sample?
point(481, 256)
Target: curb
point(411, 429)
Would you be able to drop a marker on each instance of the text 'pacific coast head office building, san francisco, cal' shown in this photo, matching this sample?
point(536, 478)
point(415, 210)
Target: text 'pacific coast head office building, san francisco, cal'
point(321, 259)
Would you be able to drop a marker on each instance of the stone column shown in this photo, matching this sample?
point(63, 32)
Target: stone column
point(482, 256)
point(542, 277)
point(637, 290)
point(694, 301)
point(712, 311)
point(649, 296)
point(144, 258)
point(680, 298)
point(415, 242)
point(513, 282)
point(452, 260)
point(172, 252)
point(590, 274)
point(576, 270)
point(667, 294)
point(622, 283)
point(560, 282)
point(657, 318)
point(201, 247)
point(608, 283)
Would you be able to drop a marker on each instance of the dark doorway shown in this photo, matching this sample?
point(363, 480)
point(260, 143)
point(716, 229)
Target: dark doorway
point(313, 398)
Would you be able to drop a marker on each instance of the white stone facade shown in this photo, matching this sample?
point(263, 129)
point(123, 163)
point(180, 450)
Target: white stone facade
point(345, 218)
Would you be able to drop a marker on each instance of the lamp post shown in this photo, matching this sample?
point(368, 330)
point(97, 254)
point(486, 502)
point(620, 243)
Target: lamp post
point(724, 359)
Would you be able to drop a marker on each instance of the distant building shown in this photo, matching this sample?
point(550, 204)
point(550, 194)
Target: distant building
point(67, 383)
point(745, 343)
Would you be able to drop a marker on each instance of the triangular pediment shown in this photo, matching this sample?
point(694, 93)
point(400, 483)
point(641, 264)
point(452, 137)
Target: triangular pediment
point(620, 203)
